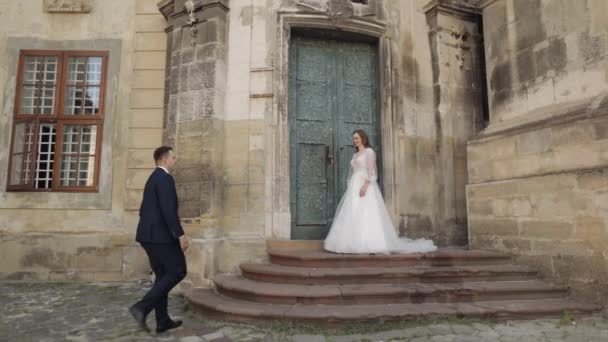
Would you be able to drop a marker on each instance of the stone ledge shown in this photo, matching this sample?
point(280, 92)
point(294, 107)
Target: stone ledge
point(544, 118)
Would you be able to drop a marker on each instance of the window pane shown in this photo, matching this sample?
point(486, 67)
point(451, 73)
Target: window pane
point(46, 154)
point(39, 85)
point(78, 155)
point(17, 172)
point(84, 69)
point(22, 154)
point(94, 70)
point(83, 88)
point(82, 101)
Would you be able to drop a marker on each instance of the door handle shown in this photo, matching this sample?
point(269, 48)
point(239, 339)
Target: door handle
point(328, 156)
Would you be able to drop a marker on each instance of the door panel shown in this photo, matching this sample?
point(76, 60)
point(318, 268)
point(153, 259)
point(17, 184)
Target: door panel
point(332, 93)
point(357, 106)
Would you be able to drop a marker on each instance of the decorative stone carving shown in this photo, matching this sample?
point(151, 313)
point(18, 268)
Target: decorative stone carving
point(335, 9)
point(69, 6)
point(460, 35)
point(192, 20)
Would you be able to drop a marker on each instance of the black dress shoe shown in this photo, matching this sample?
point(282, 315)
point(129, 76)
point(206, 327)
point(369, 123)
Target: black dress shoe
point(139, 317)
point(169, 326)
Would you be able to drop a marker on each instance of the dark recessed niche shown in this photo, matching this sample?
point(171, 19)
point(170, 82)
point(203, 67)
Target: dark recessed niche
point(363, 2)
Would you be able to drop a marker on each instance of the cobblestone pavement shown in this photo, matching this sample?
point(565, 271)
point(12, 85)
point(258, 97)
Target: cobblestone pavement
point(77, 312)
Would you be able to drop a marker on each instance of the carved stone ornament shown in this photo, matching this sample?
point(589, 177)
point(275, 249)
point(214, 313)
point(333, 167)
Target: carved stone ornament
point(192, 20)
point(68, 6)
point(335, 9)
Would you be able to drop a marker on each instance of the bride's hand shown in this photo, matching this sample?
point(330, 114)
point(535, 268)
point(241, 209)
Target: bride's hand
point(363, 191)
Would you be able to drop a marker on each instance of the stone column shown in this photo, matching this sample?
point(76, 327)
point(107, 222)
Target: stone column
point(194, 100)
point(458, 107)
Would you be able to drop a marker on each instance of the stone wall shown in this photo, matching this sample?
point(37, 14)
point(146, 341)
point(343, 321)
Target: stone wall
point(81, 236)
point(538, 173)
point(543, 54)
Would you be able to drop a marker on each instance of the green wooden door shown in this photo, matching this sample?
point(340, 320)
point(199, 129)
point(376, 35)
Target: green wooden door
point(333, 91)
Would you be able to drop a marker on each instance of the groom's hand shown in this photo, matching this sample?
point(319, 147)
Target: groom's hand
point(183, 242)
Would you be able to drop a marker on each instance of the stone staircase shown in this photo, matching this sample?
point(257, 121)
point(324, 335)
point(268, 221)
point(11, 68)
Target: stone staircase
point(304, 283)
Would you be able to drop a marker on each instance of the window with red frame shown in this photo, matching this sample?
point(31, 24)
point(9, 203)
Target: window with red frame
point(58, 121)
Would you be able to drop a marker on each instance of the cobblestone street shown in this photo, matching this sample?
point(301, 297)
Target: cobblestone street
point(76, 312)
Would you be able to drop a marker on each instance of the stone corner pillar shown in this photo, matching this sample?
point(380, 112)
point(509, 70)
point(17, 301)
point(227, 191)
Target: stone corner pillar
point(458, 83)
point(194, 101)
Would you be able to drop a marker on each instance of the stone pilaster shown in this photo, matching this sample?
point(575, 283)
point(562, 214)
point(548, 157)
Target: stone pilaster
point(454, 34)
point(194, 101)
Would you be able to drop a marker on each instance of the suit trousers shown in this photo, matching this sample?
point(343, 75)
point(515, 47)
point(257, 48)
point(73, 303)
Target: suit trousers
point(169, 265)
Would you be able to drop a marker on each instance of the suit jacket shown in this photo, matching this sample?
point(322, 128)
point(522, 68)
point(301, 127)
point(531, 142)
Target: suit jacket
point(158, 218)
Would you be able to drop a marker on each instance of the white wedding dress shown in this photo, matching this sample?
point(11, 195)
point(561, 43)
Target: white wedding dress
point(362, 224)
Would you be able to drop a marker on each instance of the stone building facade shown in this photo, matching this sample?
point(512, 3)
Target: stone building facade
point(487, 115)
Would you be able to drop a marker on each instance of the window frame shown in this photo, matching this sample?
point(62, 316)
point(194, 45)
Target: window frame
point(59, 119)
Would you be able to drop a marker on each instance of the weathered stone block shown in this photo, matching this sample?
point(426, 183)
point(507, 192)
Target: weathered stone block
point(597, 10)
point(146, 118)
point(187, 55)
point(205, 105)
point(183, 78)
point(135, 264)
point(146, 7)
point(572, 135)
point(581, 268)
point(232, 253)
point(185, 106)
point(68, 6)
point(601, 129)
point(576, 15)
point(546, 185)
point(547, 229)
point(593, 229)
point(149, 23)
point(534, 142)
point(559, 247)
point(526, 68)
point(149, 79)
point(133, 199)
point(529, 26)
point(500, 81)
point(594, 181)
point(554, 205)
point(543, 263)
point(235, 201)
point(136, 178)
point(551, 59)
point(150, 41)
point(150, 60)
point(517, 245)
point(202, 75)
point(493, 190)
point(503, 227)
point(96, 259)
point(145, 138)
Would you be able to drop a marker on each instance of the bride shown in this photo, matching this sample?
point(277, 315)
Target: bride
point(362, 223)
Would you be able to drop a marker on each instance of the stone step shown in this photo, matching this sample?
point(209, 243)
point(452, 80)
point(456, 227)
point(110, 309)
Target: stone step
point(214, 305)
point(249, 290)
point(272, 273)
point(442, 257)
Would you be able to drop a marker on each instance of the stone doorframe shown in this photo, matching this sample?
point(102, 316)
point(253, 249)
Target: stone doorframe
point(278, 217)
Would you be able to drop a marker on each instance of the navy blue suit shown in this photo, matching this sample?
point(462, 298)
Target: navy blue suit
point(158, 232)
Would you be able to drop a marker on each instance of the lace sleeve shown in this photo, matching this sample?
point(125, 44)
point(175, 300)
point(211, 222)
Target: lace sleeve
point(372, 171)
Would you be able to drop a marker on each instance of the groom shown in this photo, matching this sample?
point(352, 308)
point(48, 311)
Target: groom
point(162, 237)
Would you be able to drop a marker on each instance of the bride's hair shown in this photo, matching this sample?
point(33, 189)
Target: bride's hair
point(364, 138)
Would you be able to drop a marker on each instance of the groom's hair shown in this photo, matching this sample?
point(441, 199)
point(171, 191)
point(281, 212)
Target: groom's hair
point(161, 152)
